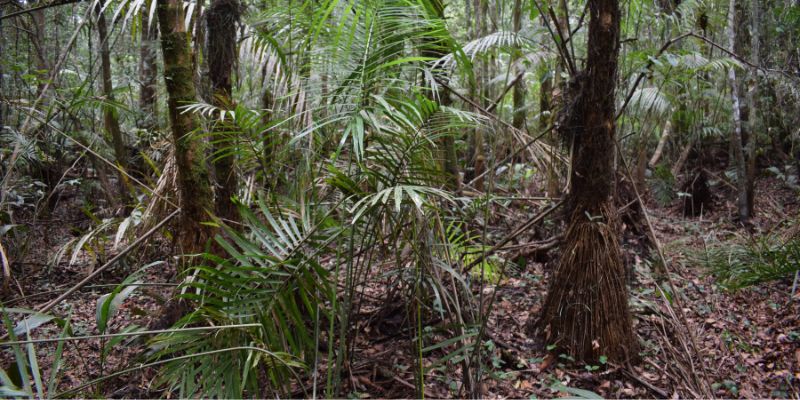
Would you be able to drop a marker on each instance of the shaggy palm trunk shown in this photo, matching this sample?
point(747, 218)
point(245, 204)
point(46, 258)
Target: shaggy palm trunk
point(586, 309)
point(148, 73)
point(110, 120)
point(221, 20)
point(193, 186)
point(736, 134)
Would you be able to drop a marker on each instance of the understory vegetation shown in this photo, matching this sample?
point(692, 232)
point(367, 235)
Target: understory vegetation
point(399, 198)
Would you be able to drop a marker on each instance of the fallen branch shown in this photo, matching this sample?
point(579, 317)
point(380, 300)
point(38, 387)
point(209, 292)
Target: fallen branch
point(127, 334)
point(530, 248)
point(42, 7)
point(660, 392)
point(47, 307)
point(84, 281)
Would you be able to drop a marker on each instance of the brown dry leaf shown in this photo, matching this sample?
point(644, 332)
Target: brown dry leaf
point(523, 384)
point(797, 356)
point(547, 362)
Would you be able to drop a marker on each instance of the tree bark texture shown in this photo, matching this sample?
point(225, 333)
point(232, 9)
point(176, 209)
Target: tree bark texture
point(518, 120)
point(736, 134)
point(110, 119)
point(753, 103)
point(148, 73)
point(222, 18)
point(586, 309)
point(193, 186)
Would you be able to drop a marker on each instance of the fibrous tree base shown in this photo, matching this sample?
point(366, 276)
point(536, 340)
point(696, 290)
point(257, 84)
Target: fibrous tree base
point(586, 310)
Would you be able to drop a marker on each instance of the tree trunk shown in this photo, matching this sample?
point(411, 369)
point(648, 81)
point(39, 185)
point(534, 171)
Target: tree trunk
point(736, 133)
point(193, 186)
point(661, 143)
point(199, 58)
point(270, 140)
point(475, 152)
point(518, 120)
point(110, 120)
point(551, 104)
point(38, 39)
point(222, 18)
point(586, 309)
point(447, 143)
point(752, 100)
point(148, 74)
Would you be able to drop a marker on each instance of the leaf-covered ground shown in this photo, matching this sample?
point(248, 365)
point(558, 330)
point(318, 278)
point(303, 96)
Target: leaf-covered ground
point(695, 339)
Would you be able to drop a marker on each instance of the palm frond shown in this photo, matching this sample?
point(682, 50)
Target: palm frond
point(271, 276)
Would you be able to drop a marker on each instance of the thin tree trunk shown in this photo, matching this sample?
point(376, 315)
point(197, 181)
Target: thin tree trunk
point(222, 18)
point(753, 100)
point(678, 167)
point(199, 58)
point(518, 120)
point(38, 40)
point(468, 21)
point(447, 143)
point(552, 104)
point(193, 186)
point(586, 309)
point(270, 140)
point(641, 163)
point(476, 157)
point(148, 73)
point(661, 143)
point(110, 120)
point(736, 133)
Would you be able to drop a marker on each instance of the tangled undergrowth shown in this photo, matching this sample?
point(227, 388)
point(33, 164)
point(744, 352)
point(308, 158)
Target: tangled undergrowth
point(391, 337)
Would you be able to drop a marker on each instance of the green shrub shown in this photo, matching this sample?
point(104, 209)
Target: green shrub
point(739, 264)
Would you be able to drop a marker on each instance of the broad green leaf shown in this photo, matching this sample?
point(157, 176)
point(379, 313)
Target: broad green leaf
point(108, 304)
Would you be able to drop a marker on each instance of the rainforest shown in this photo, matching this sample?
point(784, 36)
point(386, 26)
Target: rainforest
point(400, 199)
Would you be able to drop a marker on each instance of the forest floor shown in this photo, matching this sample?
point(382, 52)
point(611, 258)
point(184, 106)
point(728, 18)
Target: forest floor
point(747, 342)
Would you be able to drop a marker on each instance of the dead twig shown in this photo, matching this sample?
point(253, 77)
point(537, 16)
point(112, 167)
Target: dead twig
point(525, 226)
point(84, 281)
point(660, 392)
point(681, 316)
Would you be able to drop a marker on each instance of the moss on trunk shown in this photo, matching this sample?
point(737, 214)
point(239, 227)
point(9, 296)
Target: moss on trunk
point(193, 185)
